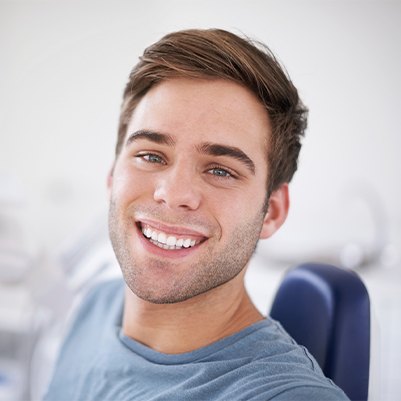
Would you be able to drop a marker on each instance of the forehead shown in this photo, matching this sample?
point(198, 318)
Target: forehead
point(194, 111)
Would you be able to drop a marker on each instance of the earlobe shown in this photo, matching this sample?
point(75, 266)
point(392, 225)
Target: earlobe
point(279, 203)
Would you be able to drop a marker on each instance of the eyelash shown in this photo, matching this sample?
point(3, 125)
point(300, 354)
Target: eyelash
point(227, 173)
point(147, 156)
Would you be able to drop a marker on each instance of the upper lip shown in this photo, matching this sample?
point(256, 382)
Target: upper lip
point(170, 229)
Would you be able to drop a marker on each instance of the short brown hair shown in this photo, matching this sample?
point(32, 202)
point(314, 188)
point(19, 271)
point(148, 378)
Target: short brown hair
point(215, 53)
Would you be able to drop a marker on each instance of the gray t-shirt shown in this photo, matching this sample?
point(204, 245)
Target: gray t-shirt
point(260, 363)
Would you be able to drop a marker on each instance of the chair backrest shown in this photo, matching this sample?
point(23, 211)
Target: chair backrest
point(327, 309)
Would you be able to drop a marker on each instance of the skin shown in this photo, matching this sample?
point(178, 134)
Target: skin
point(170, 177)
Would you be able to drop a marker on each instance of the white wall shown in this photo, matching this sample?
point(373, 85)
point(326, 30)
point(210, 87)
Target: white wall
point(64, 65)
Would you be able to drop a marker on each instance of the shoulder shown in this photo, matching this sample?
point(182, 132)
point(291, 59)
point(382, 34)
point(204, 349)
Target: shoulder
point(104, 290)
point(102, 296)
point(275, 367)
point(312, 393)
point(100, 309)
point(268, 341)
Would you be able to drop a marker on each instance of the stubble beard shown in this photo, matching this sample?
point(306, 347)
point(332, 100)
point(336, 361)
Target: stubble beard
point(213, 268)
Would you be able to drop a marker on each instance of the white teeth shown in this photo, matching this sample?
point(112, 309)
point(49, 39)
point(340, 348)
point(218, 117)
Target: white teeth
point(162, 238)
point(164, 241)
point(171, 241)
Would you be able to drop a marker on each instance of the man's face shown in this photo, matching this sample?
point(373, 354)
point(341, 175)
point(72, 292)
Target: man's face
point(188, 188)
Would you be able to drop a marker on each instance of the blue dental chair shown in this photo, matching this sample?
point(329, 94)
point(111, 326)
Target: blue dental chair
point(327, 309)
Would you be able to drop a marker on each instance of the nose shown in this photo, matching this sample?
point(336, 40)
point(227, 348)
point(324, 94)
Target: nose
point(177, 188)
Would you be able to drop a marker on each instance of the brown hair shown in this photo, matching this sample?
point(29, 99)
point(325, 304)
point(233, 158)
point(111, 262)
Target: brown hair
point(215, 53)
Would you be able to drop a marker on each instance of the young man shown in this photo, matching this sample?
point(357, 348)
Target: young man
point(208, 141)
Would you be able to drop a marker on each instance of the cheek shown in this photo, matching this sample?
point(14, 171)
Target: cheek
point(128, 184)
point(233, 209)
point(241, 204)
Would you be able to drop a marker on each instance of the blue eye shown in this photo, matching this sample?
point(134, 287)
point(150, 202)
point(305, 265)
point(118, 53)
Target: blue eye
point(220, 172)
point(152, 158)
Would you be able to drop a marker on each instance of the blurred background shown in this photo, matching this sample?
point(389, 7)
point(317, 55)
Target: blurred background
point(63, 68)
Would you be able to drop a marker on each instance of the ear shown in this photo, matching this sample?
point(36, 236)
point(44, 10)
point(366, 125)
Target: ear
point(279, 203)
point(110, 178)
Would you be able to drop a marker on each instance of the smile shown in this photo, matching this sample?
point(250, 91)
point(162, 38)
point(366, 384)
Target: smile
point(168, 241)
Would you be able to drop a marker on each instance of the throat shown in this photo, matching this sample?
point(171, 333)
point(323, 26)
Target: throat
point(185, 326)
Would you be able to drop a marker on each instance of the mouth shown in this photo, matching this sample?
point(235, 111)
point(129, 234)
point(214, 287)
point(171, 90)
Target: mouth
point(171, 241)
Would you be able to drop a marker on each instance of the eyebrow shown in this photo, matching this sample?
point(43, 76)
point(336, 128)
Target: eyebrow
point(214, 149)
point(157, 137)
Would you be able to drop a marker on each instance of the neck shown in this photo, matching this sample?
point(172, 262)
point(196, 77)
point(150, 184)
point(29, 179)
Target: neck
point(195, 323)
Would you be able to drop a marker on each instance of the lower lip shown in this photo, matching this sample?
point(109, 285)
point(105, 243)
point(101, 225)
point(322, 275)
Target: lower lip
point(167, 253)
